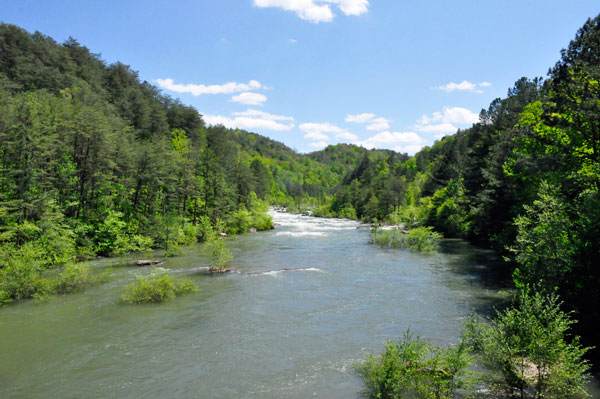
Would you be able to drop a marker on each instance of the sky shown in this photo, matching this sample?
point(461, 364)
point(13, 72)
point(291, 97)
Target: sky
point(390, 74)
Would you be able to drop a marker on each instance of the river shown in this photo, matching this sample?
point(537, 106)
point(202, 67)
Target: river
point(306, 302)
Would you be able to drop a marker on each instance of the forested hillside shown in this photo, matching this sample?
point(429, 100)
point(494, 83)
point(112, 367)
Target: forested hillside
point(95, 162)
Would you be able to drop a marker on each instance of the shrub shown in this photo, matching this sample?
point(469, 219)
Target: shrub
point(157, 287)
point(528, 349)
point(74, 278)
point(422, 239)
point(114, 236)
point(415, 368)
point(20, 272)
point(24, 274)
point(217, 250)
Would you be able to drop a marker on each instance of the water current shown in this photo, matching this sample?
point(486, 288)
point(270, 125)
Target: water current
point(305, 302)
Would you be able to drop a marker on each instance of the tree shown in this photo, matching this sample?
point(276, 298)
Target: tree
point(546, 242)
point(529, 351)
point(415, 368)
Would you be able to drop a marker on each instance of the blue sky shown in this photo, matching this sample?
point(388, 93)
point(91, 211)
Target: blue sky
point(379, 73)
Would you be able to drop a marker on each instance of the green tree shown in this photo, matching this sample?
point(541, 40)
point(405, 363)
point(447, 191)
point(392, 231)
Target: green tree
point(415, 368)
point(528, 348)
point(546, 242)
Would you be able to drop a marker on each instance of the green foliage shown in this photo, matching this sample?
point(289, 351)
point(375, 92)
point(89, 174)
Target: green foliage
point(114, 236)
point(254, 216)
point(24, 274)
point(546, 242)
point(421, 238)
point(415, 368)
point(74, 278)
point(21, 271)
point(157, 287)
point(528, 349)
point(448, 212)
point(218, 252)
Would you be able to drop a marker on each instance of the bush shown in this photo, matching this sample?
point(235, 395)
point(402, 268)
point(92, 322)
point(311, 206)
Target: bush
point(20, 271)
point(24, 274)
point(114, 236)
point(422, 239)
point(157, 287)
point(528, 351)
point(414, 368)
point(217, 250)
point(74, 278)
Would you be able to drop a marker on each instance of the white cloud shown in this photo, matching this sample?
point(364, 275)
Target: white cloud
point(445, 121)
point(316, 136)
point(293, 41)
point(359, 118)
point(346, 136)
point(437, 128)
point(379, 124)
point(373, 123)
point(464, 86)
point(318, 144)
point(251, 119)
point(316, 129)
point(352, 7)
point(392, 140)
point(460, 115)
point(317, 10)
point(410, 149)
point(264, 115)
point(196, 90)
point(249, 98)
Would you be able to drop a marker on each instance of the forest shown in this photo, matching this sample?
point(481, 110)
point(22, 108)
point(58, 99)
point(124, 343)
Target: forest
point(95, 162)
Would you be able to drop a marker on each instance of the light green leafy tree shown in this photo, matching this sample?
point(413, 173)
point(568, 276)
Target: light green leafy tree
point(529, 351)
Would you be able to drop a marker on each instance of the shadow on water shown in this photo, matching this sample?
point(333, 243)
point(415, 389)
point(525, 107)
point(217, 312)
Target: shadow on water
point(482, 268)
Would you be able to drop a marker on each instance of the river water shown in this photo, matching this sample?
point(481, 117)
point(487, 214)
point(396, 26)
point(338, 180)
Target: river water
point(306, 302)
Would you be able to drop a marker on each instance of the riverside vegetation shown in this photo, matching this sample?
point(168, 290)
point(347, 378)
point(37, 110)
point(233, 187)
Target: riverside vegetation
point(157, 287)
point(94, 162)
point(525, 353)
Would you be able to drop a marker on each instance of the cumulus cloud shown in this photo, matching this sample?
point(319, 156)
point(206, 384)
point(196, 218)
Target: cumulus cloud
point(316, 131)
point(249, 98)
point(346, 136)
point(410, 149)
point(199, 89)
point(409, 142)
point(379, 124)
point(464, 86)
point(251, 119)
point(373, 123)
point(317, 10)
point(316, 136)
point(352, 7)
point(319, 144)
point(437, 128)
point(256, 113)
point(446, 121)
point(359, 118)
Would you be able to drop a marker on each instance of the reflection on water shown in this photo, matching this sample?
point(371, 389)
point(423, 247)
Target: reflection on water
point(307, 301)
